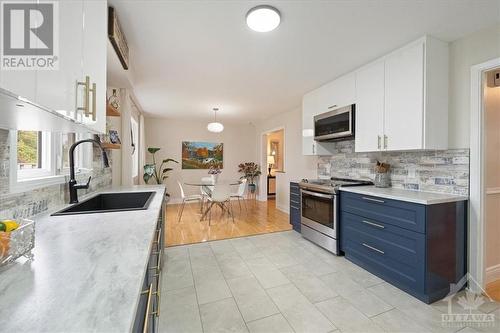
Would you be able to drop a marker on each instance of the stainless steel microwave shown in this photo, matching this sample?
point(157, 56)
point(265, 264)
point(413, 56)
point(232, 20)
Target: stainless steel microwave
point(335, 125)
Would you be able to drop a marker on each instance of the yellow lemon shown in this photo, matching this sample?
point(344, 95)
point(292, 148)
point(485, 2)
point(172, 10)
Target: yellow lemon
point(10, 225)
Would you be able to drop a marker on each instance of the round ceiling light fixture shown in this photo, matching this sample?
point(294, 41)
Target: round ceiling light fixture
point(263, 18)
point(215, 126)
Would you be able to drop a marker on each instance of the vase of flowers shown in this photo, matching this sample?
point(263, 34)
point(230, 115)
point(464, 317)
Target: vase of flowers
point(214, 172)
point(251, 171)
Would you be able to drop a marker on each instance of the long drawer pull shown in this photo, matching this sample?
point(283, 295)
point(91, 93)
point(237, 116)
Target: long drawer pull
point(149, 292)
point(295, 201)
point(374, 200)
point(373, 248)
point(294, 207)
point(373, 224)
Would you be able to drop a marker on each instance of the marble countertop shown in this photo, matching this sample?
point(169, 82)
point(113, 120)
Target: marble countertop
point(419, 197)
point(87, 273)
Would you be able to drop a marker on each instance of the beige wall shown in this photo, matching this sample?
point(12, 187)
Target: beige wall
point(168, 134)
point(474, 49)
point(492, 162)
point(296, 165)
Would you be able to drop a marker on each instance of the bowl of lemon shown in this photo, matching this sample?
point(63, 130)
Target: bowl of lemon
point(17, 239)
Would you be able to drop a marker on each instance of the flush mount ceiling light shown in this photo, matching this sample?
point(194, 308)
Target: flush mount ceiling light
point(215, 127)
point(263, 18)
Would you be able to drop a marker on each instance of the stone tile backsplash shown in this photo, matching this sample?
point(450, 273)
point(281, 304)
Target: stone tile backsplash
point(432, 170)
point(27, 204)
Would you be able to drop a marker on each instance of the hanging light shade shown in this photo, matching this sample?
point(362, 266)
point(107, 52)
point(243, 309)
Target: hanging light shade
point(215, 126)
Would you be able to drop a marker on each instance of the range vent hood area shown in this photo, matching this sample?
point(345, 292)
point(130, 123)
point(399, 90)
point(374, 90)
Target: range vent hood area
point(17, 113)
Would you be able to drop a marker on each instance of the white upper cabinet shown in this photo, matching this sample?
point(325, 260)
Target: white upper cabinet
point(57, 89)
point(310, 108)
point(336, 94)
point(403, 99)
point(369, 119)
point(94, 55)
point(69, 90)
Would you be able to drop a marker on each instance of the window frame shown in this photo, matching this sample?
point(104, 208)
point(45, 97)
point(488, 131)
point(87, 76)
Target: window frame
point(53, 173)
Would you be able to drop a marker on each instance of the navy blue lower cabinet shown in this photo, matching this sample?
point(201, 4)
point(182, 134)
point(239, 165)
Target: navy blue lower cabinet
point(420, 249)
point(295, 206)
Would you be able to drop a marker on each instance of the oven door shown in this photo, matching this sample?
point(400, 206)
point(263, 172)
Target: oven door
point(318, 212)
point(335, 124)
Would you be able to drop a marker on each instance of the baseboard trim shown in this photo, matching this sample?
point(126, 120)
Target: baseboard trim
point(284, 209)
point(492, 273)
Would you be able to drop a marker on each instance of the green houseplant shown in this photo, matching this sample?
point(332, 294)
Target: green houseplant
point(250, 171)
point(155, 172)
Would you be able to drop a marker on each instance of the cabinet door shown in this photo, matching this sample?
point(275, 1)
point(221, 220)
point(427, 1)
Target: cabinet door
point(57, 89)
point(94, 59)
point(336, 94)
point(370, 108)
point(404, 96)
point(309, 105)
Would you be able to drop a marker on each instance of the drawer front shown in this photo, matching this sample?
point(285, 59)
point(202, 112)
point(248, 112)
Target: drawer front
point(395, 254)
point(295, 218)
point(398, 213)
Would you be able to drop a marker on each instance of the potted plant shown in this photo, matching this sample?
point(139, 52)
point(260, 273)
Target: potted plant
point(250, 171)
point(156, 173)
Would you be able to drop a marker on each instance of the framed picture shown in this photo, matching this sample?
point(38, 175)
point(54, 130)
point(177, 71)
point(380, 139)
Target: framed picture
point(114, 137)
point(202, 155)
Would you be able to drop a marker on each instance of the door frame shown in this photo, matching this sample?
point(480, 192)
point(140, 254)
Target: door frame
point(476, 193)
point(262, 190)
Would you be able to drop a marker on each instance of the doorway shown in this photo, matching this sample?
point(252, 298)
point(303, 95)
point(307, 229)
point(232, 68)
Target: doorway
point(272, 164)
point(484, 216)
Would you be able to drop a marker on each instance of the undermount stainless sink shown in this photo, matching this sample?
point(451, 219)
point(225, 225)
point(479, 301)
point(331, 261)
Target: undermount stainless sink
point(110, 202)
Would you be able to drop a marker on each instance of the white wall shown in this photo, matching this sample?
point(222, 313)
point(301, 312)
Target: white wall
point(474, 49)
point(296, 165)
point(168, 134)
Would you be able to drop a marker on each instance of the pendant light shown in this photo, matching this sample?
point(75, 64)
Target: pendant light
point(215, 127)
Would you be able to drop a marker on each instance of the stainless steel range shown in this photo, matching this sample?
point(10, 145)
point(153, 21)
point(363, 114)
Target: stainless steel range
point(319, 200)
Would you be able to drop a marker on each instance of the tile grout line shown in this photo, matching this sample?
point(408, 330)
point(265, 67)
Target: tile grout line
point(195, 291)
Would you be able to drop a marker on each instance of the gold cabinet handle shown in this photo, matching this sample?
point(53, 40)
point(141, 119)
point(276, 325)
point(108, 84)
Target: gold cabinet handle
point(373, 224)
point(157, 293)
point(373, 248)
point(94, 101)
point(149, 292)
point(86, 96)
point(379, 145)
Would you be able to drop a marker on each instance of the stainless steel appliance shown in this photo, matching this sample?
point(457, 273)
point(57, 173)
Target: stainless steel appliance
point(335, 125)
point(319, 203)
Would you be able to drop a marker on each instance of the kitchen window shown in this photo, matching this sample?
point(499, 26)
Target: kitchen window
point(39, 159)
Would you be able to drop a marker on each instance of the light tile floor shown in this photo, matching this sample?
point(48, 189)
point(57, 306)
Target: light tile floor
point(280, 282)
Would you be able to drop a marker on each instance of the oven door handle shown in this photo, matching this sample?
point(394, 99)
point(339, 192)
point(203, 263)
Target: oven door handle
point(316, 194)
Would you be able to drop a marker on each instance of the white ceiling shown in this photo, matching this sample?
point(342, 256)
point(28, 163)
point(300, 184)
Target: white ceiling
point(189, 56)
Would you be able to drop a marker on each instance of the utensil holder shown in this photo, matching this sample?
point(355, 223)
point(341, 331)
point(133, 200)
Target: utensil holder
point(382, 180)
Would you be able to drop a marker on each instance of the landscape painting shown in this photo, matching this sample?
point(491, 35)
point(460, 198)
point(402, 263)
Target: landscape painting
point(202, 155)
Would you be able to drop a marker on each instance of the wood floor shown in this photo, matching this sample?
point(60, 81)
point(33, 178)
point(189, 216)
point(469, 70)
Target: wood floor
point(493, 290)
point(260, 217)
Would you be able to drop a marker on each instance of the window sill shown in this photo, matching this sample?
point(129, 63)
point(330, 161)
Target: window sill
point(36, 183)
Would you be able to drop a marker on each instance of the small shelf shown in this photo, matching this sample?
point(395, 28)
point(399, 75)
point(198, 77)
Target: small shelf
point(112, 112)
point(107, 145)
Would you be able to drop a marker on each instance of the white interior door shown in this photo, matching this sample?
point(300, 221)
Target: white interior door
point(404, 97)
point(370, 108)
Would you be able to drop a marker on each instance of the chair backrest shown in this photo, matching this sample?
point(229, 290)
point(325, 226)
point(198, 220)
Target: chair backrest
point(182, 190)
point(241, 187)
point(221, 193)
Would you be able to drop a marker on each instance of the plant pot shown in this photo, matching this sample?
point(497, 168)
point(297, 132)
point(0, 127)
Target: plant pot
point(252, 188)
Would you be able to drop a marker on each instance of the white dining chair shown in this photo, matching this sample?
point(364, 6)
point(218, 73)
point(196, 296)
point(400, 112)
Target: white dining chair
point(221, 196)
point(186, 198)
point(203, 190)
point(240, 193)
